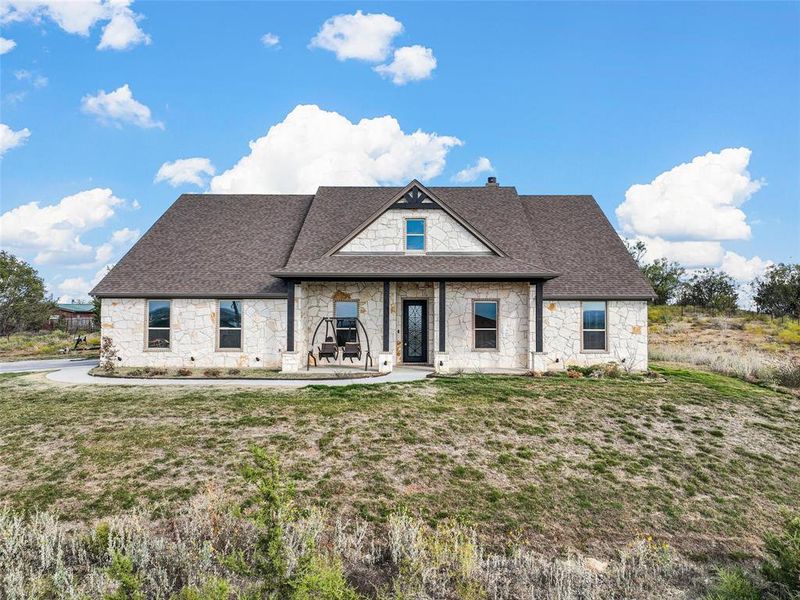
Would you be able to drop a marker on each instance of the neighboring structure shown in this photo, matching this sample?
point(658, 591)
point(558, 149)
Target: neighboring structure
point(472, 278)
point(74, 316)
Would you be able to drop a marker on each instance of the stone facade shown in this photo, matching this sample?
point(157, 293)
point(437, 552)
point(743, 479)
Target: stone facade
point(193, 334)
point(387, 234)
point(513, 323)
point(194, 329)
point(626, 335)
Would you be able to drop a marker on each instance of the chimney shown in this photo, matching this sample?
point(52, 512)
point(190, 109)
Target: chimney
point(491, 182)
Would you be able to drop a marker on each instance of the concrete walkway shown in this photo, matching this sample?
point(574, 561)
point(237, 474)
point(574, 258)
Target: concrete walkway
point(47, 364)
point(79, 375)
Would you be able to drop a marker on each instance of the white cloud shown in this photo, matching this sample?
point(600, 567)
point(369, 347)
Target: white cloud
point(410, 63)
point(482, 165)
point(699, 200)
point(313, 147)
point(270, 40)
point(743, 269)
point(6, 45)
point(119, 107)
point(78, 288)
point(79, 17)
point(690, 253)
point(124, 236)
point(359, 36)
point(38, 81)
point(122, 31)
point(186, 170)
point(53, 231)
point(11, 139)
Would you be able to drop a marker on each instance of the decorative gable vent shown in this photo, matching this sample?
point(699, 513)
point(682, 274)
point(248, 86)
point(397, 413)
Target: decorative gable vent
point(415, 198)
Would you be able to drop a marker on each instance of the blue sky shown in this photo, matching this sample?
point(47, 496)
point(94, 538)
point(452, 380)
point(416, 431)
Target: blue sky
point(559, 98)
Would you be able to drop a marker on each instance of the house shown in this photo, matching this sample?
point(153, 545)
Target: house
point(458, 278)
point(74, 316)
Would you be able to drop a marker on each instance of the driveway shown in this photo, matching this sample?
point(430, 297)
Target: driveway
point(46, 365)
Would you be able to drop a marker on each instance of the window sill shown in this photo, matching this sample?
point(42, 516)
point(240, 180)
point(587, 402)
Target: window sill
point(486, 350)
point(595, 352)
point(227, 350)
point(158, 349)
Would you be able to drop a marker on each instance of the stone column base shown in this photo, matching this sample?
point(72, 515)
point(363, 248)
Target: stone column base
point(290, 362)
point(441, 363)
point(385, 362)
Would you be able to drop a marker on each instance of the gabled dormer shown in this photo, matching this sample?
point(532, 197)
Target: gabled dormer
point(415, 222)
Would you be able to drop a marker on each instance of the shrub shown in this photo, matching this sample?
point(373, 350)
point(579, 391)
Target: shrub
point(212, 372)
point(234, 371)
point(790, 333)
point(108, 354)
point(184, 372)
point(574, 374)
point(787, 374)
point(213, 589)
point(781, 569)
point(733, 584)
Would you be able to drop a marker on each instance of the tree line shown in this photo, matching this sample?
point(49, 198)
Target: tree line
point(776, 292)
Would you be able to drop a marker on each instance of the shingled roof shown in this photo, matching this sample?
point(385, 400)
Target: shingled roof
point(248, 245)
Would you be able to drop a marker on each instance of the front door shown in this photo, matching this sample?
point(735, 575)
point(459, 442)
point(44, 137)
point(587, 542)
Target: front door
point(415, 331)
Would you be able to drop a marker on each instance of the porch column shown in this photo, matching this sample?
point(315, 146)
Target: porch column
point(441, 362)
point(386, 358)
point(290, 316)
point(386, 316)
point(539, 316)
point(290, 360)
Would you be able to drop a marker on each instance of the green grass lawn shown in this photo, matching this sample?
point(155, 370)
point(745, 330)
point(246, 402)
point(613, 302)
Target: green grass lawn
point(702, 461)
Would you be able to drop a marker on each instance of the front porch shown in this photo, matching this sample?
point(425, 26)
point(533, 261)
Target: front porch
point(408, 323)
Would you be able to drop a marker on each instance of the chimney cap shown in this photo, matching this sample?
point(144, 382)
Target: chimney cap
point(491, 182)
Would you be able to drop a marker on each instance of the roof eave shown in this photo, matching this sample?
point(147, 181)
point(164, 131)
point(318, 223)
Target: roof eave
point(373, 276)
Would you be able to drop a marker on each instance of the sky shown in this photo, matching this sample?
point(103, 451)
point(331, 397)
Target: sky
point(681, 119)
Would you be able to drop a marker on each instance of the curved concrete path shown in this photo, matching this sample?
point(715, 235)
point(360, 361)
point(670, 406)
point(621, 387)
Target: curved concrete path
point(79, 375)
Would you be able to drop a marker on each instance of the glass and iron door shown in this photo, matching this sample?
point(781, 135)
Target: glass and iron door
point(415, 331)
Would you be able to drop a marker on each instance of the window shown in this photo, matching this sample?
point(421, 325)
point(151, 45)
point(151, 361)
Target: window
point(158, 324)
point(345, 313)
point(415, 235)
point(594, 325)
point(485, 323)
point(230, 324)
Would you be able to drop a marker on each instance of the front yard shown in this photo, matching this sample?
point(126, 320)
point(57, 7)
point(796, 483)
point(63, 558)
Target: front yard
point(701, 461)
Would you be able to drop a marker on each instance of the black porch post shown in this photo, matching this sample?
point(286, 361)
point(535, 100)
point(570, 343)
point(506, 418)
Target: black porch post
point(385, 316)
point(442, 317)
point(539, 316)
point(290, 316)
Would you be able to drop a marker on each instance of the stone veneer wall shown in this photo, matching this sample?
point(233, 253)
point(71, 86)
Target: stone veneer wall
point(626, 335)
point(512, 335)
point(442, 234)
point(318, 302)
point(193, 333)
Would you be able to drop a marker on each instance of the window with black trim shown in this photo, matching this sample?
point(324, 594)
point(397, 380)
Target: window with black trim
point(345, 312)
point(594, 325)
point(415, 235)
point(158, 321)
point(230, 324)
point(484, 313)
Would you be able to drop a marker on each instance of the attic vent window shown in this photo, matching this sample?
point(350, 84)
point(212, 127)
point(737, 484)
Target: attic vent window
point(415, 198)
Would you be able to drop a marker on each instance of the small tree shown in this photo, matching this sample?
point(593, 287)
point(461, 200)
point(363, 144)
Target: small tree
point(23, 305)
point(711, 289)
point(665, 277)
point(778, 292)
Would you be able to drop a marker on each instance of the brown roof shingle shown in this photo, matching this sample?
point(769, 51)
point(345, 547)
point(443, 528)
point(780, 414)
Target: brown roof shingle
point(243, 245)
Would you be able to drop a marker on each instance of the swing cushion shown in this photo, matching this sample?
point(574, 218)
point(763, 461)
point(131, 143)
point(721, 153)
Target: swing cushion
point(328, 349)
point(351, 349)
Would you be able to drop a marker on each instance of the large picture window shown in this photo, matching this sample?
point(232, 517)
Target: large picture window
point(230, 324)
point(158, 320)
point(594, 325)
point(484, 313)
point(415, 235)
point(346, 313)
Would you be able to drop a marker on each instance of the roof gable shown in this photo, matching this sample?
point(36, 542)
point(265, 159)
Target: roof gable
point(413, 195)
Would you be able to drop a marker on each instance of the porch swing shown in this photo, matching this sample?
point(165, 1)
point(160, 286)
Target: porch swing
point(329, 349)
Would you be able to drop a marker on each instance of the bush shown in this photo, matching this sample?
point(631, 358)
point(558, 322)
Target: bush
point(234, 371)
point(787, 374)
point(733, 584)
point(212, 372)
point(184, 372)
point(781, 569)
point(790, 333)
